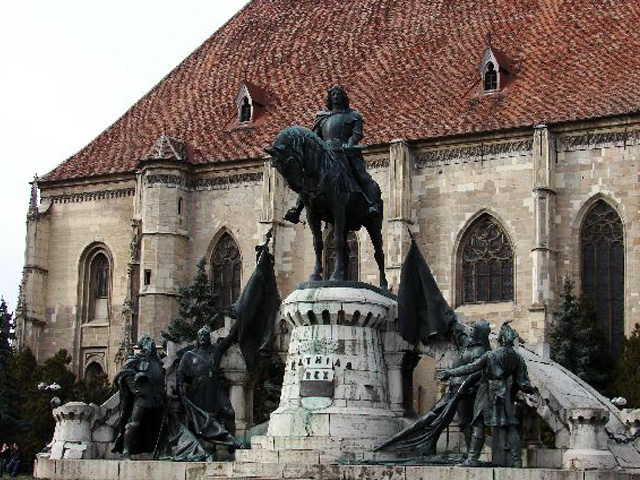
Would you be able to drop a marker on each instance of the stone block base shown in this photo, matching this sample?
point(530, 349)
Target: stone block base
point(585, 459)
point(45, 468)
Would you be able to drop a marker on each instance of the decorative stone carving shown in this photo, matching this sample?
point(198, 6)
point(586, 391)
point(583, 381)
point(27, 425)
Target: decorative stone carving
point(591, 140)
point(473, 153)
point(90, 196)
point(221, 183)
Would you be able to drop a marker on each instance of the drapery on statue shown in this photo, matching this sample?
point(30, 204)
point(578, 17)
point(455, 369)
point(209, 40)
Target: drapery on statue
point(199, 385)
point(494, 403)
point(422, 435)
point(325, 167)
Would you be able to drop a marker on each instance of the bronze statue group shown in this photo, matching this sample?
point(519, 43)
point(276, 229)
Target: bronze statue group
point(326, 168)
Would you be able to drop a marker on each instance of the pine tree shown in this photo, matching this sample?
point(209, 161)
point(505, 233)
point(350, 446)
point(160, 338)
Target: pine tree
point(35, 404)
point(196, 309)
point(593, 362)
point(577, 343)
point(10, 420)
point(563, 335)
point(627, 383)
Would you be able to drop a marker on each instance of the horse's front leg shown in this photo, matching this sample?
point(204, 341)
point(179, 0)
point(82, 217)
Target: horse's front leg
point(375, 232)
point(316, 232)
point(339, 237)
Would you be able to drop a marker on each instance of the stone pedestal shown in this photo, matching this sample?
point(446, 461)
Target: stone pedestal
point(72, 435)
point(335, 395)
point(588, 441)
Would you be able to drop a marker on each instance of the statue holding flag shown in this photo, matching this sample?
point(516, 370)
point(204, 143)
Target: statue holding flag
point(199, 381)
point(478, 392)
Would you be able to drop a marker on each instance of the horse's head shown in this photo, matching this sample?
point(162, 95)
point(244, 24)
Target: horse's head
point(287, 157)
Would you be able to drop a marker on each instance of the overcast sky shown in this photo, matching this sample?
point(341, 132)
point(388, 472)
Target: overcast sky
point(70, 68)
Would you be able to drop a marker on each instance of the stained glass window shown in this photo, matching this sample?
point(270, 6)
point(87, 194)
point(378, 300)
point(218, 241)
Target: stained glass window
point(330, 256)
point(487, 263)
point(226, 267)
point(602, 247)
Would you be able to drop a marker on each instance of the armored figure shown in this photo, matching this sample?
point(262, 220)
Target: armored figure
point(199, 384)
point(142, 400)
point(422, 436)
point(471, 345)
point(504, 373)
point(341, 128)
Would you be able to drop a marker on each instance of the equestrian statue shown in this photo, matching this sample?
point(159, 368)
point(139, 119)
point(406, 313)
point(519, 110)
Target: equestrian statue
point(326, 168)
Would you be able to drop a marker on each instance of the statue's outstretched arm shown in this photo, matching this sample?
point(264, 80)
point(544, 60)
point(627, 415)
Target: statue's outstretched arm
point(467, 369)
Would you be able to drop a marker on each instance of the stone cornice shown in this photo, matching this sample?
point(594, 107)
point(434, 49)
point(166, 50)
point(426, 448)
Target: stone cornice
point(590, 140)
point(473, 153)
point(90, 196)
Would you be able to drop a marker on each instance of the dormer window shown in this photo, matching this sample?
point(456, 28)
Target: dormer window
point(494, 70)
point(250, 103)
point(490, 78)
point(245, 110)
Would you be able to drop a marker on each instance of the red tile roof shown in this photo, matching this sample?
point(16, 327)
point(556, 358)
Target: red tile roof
point(410, 67)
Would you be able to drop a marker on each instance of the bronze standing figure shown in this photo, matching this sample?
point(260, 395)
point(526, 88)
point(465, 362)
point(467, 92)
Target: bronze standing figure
point(504, 373)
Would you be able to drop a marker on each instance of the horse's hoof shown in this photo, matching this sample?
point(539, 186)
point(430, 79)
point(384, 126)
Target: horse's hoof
point(336, 278)
point(384, 286)
point(315, 277)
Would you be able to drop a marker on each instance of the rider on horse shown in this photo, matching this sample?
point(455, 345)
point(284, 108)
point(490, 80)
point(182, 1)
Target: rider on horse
point(341, 129)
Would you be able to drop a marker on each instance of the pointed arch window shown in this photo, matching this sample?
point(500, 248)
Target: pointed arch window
point(245, 110)
point(486, 258)
point(490, 77)
point(329, 260)
point(602, 252)
point(96, 284)
point(226, 268)
point(93, 372)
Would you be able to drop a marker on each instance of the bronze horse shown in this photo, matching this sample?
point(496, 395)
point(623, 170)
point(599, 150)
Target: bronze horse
point(330, 193)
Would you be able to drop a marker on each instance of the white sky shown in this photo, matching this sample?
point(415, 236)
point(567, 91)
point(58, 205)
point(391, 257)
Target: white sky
point(70, 68)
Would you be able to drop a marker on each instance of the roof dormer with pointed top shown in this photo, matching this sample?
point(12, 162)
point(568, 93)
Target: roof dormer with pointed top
point(250, 100)
point(494, 69)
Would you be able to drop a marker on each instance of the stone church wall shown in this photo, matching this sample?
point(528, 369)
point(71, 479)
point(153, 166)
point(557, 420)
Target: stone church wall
point(434, 188)
point(78, 218)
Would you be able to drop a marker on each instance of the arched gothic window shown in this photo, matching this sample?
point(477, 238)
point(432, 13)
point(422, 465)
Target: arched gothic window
point(245, 110)
point(490, 78)
point(226, 267)
point(93, 371)
point(329, 260)
point(602, 249)
point(96, 284)
point(486, 263)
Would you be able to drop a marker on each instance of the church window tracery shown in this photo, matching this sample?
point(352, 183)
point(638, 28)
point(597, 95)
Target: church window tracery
point(602, 255)
point(226, 269)
point(486, 263)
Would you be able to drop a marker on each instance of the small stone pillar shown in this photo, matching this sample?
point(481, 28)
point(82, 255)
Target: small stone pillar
point(393, 361)
point(240, 389)
point(588, 441)
point(72, 434)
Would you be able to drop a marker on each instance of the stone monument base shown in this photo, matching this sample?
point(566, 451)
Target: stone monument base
point(64, 469)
